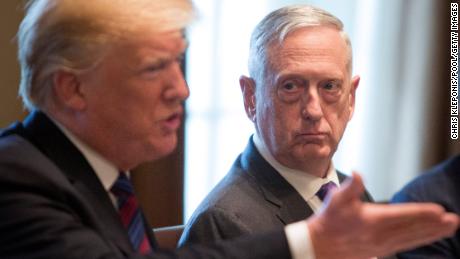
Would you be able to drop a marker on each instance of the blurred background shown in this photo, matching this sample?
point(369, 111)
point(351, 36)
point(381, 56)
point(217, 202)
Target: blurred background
point(401, 125)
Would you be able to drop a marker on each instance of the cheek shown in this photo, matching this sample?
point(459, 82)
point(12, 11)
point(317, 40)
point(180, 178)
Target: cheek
point(140, 121)
point(337, 117)
point(142, 108)
point(286, 120)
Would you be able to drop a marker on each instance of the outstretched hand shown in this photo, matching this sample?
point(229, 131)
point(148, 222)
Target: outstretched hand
point(348, 228)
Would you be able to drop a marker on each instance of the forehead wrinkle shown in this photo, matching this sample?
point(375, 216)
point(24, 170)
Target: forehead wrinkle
point(302, 55)
point(298, 57)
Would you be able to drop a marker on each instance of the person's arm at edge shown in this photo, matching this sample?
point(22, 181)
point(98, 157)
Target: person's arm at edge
point(345, 223)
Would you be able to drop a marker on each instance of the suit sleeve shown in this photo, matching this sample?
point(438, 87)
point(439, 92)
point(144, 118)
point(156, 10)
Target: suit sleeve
point(37, 221)
point(212, 225)
point(441, 249)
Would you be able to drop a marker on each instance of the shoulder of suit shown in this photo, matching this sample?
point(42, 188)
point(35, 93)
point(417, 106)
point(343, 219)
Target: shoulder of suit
point(22, 162)
point(14, 147)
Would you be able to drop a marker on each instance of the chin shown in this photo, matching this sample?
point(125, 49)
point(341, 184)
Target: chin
point(317, 153)
point(165, 147)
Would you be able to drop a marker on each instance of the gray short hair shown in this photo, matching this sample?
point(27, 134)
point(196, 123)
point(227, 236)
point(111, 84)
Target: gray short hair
point(73, 35)
point(275, 27)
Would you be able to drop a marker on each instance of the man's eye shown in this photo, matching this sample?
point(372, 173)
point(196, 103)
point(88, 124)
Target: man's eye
point(331, 90)
point(162, 64)
point(290, 86)
point(152, 68)
point(157, 66)
point(290, 91)
point(330, 86)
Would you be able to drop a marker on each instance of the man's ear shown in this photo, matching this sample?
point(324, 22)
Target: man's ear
point(248, 87)
point(354, 85)
point(67, 90)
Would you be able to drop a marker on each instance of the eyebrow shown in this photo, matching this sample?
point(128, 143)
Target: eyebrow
point(311, 75)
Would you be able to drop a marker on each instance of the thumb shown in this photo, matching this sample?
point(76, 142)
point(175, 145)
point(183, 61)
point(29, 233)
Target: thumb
point(353, 188)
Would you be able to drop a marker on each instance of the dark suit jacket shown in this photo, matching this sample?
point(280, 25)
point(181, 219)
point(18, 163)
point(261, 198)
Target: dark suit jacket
point(252, 198)
point(441, 185)
point(53, 206)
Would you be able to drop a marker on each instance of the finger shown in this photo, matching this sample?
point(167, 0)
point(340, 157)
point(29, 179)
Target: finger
point(445, 225)
point(394, 219)
point(405, 211)
point(452, 219)
point(353, 188)
point(423, 234)
point(417, 225)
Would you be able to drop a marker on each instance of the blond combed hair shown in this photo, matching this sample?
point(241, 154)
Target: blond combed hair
point(73, 35)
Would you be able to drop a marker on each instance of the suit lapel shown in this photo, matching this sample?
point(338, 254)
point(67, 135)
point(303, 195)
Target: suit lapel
point(342, 177)
point(45, 135)
point(276, 190)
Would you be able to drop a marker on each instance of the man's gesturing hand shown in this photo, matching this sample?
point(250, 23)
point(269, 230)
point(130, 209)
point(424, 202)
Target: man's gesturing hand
point(348, 228)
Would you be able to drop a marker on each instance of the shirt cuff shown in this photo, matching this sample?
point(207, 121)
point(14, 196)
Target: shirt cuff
point(299, 241)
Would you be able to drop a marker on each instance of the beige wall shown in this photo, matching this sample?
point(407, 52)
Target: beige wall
point(11, 12)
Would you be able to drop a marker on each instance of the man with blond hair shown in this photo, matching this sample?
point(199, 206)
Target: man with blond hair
point(104, 88)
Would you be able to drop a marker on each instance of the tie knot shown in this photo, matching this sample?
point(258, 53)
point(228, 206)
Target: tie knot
point(122, 186)
point(325, 190)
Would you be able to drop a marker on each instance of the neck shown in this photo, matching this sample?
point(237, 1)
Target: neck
point(316, 167)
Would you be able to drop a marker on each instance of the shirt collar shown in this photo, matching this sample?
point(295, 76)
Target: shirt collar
point(106, 171)
point(303, 182)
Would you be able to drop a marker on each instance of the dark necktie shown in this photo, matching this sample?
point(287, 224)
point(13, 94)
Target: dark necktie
point(325, 190)
point(130, 213)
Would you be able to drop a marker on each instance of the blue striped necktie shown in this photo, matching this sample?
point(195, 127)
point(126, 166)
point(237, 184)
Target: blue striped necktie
point(130, 213)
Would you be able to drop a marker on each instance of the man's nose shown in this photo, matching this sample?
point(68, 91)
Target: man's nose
point(311, 105)
point(177, 86)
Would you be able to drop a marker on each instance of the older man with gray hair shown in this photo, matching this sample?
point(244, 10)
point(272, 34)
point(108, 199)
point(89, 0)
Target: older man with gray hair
point(300, 96)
